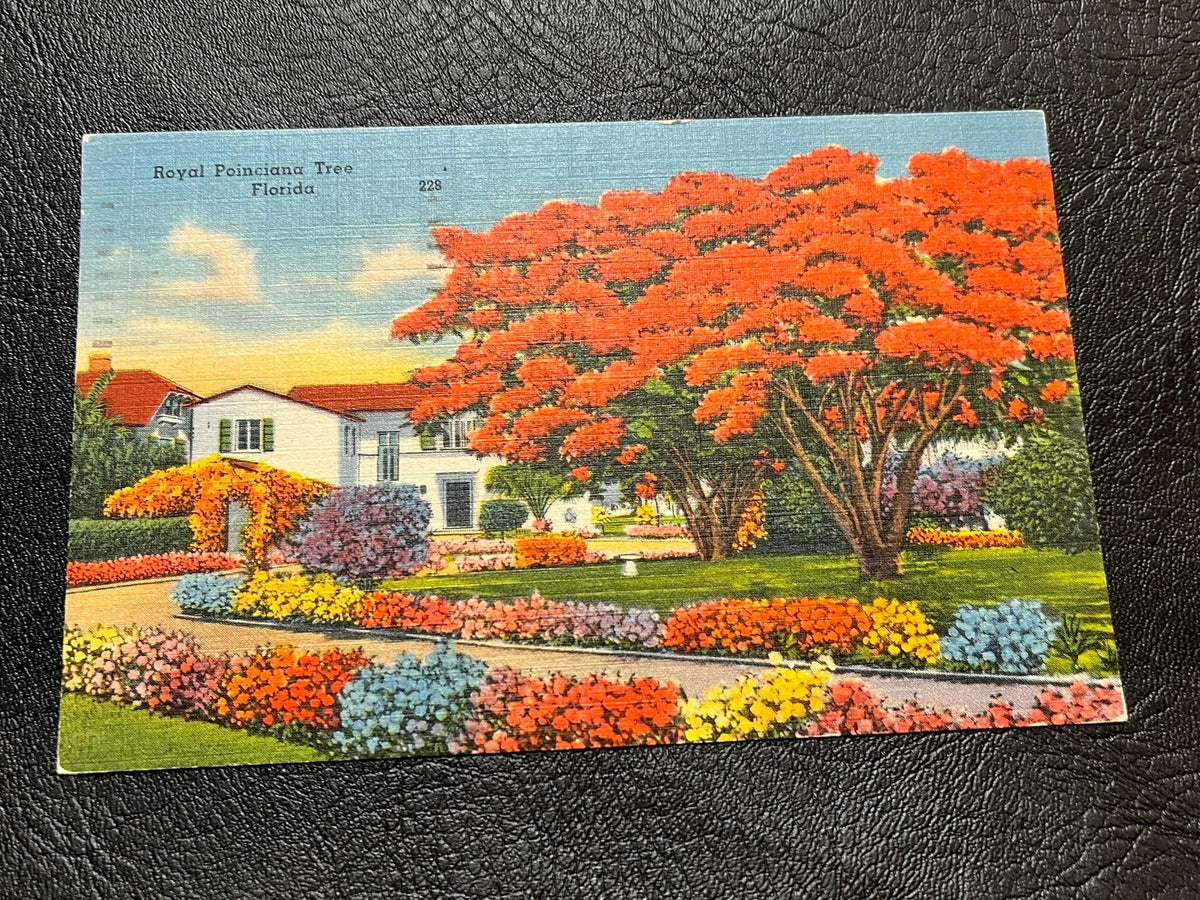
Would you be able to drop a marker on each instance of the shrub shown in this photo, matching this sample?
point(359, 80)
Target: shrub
point(776, 706)
point(900, 631)
point(752, 527)
point(283, 687)
point(519, 712)
point(1045, 490)
point(1012, 637)
point(964, 540)
point(143, 668)
point(364, 534)
point(792, 627)
point(409, 707)
point(502, 516)
point(550, 550)
point(95, 539)
point(657, 531)
point(207, 594)
point(797, 520)
point(203, 489)
point(137, 568)
point(309, 598)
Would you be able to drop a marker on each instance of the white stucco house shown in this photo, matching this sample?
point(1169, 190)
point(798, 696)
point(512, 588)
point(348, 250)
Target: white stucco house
point(355, 434)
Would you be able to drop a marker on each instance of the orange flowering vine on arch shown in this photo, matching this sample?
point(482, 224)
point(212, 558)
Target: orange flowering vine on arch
point(203, 490)
point(820, 313)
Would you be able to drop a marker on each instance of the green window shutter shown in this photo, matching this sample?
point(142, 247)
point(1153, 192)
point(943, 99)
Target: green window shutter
point(224, 436)
point(268, 435)
point(428, 441)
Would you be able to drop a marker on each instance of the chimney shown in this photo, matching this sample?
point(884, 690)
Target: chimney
point(99, 363)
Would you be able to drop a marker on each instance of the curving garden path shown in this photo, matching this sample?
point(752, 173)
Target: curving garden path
point(149, 604)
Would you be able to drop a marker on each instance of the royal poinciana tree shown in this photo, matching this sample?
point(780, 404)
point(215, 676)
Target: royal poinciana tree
point(821, 311)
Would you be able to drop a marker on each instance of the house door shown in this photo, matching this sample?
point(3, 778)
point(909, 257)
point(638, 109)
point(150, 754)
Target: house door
point(456, 495)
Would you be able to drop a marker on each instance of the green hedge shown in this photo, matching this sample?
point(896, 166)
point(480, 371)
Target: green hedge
point(95, 539)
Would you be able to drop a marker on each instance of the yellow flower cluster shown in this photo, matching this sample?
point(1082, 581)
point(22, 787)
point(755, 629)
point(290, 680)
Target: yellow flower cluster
point(900, 629)
point(81, 647)
point(753, 525)
point(773, 707)
point(319, 599)
point(645, 514)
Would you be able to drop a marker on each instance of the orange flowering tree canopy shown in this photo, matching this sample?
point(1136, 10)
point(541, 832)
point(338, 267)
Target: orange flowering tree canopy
point(822, 309)
point(203, 490)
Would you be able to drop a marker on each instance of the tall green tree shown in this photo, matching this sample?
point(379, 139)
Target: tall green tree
point(538, 485)
point(107, 456)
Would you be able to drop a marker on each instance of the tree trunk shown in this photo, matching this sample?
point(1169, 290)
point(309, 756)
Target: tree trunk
point(879, 562)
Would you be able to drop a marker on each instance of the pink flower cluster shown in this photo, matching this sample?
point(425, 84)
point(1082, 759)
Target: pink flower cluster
point(657, 531)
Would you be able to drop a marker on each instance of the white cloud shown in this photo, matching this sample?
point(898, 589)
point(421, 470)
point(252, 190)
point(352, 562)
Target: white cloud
point(232, 277)
point(399, 263)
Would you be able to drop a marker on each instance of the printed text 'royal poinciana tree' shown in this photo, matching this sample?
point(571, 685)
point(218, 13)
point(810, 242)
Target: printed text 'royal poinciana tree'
point(820, 311)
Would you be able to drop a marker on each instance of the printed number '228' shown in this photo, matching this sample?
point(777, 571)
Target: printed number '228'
point(432, 184)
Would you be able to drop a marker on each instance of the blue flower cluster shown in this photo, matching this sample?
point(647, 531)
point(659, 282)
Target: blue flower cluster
point(1013, 637)
point(409, 707)
point(207, 594)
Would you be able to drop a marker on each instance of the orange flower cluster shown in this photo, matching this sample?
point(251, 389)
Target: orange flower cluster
point(407, 612)
point(137, 568)
point(964, 540)
point(753, 525)
point(519, 712)
point(283, 686)
point(276, 501)
point(550, 550)
point(788, 626)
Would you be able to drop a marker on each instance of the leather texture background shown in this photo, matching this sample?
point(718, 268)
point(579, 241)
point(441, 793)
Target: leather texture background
point(1098, 812)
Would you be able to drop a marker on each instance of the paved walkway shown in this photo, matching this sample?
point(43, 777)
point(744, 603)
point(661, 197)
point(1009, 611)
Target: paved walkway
point(150, 604)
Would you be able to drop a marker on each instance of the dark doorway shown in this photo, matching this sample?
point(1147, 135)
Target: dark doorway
point(458, 505)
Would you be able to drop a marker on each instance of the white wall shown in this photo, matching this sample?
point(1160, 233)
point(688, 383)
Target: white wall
point(307, 439)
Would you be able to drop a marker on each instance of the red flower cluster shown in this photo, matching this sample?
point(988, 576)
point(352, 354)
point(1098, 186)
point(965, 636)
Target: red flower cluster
point(284, 686)
point(803, 625)
point(852, 709)
point(409, 613)
point(137, 568)
point(550, 550)
point(518, 712)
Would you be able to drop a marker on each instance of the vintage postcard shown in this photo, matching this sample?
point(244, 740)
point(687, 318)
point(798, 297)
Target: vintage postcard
point(413, 441)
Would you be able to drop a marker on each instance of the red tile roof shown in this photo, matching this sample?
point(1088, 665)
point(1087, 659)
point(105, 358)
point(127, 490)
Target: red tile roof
point(133, 395)
point(360, 397)
point(300, 400)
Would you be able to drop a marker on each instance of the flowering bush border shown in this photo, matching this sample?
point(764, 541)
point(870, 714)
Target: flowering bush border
point(336, 700)
point(964, 540)
point(139, 568)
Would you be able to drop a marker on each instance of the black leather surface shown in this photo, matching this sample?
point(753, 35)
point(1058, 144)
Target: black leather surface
point(1092, 812)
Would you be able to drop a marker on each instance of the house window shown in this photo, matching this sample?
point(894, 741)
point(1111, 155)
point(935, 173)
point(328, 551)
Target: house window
point(389, 456)
point(458, 507)
point(349, 440)
point(173, 406)
point(456, 434)
point(249, 434)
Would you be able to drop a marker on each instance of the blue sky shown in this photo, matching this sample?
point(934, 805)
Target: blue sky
point(211, 286)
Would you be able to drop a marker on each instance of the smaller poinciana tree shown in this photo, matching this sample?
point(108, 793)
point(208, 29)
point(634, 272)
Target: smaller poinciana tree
point(364, 534)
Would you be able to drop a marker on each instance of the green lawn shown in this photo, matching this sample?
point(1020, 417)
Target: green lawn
point(99, 736)
point(939, 580)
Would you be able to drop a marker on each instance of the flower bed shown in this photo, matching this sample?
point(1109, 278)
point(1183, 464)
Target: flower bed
point(759, 627)
point(517, 712)
point(657, 531)
point(336, 700)
point(550, 550)
point(964, 540)
point(137, 568)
